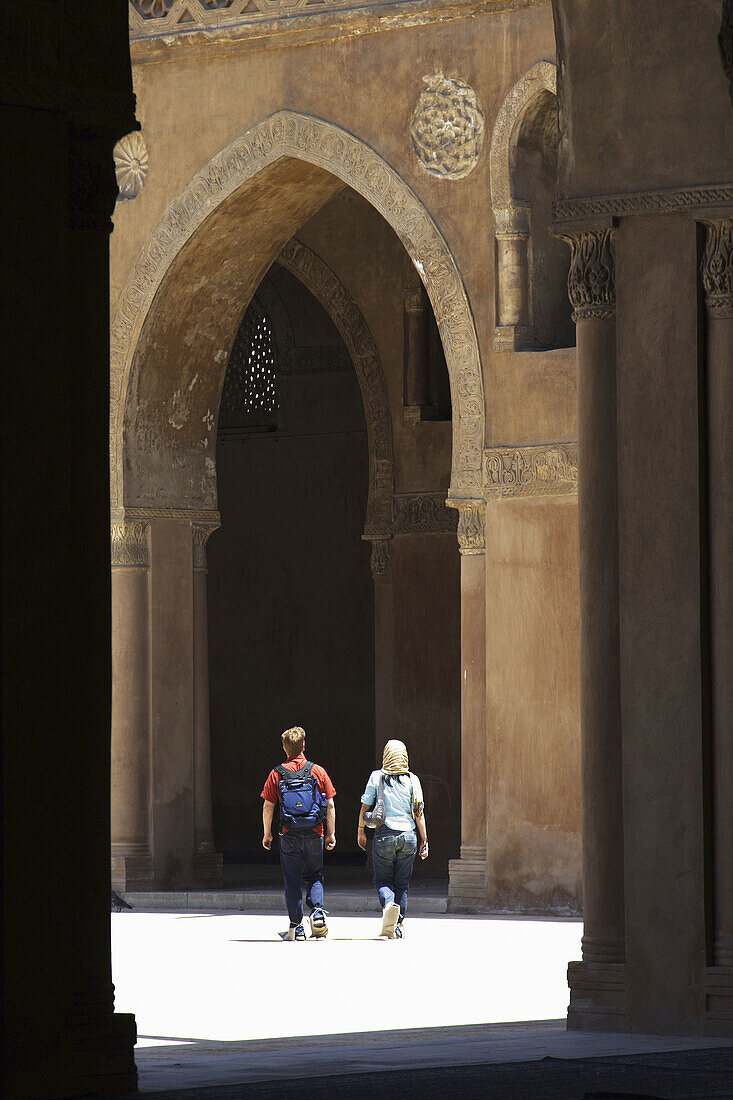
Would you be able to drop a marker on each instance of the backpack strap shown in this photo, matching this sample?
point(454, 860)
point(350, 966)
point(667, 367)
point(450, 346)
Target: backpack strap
point(301, 773)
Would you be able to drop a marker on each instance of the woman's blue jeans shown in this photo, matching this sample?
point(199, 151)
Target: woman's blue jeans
point(393, 856)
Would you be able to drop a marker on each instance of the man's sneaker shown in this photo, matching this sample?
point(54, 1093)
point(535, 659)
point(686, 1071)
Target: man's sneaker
point(297, 933)
point(399, 932)
point(319, 924)
point(390, 916)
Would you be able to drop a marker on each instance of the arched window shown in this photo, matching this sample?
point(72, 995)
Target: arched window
point(249, 400)
point(532, 307)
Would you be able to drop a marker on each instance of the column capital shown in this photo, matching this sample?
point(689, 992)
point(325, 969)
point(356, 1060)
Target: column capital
point(415, 299)
point(471, 525)
point(201, 532)
point(717, 267)
point(592, 277)
point(512, 222)
point(130, 545)
point(381, 562)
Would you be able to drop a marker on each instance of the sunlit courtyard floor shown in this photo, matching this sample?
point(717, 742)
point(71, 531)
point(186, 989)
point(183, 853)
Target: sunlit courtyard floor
point(228, 977)
point(224, 1005)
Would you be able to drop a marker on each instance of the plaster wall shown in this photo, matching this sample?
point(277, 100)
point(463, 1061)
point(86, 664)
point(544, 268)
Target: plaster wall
point(644, 99)
point(533, 758)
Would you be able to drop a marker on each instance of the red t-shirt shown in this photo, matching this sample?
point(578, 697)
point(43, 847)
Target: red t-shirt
point(271, 789)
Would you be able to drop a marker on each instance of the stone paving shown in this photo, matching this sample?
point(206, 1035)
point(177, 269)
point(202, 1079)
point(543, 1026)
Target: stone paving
point(209, 994)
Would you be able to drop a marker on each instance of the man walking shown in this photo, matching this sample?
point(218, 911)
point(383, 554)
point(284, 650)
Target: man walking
point(305, 794)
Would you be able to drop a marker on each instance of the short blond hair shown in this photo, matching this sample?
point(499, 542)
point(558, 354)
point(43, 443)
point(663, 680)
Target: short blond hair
point(293, 741)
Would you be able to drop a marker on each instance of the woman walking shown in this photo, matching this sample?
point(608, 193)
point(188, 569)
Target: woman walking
point(396, 841)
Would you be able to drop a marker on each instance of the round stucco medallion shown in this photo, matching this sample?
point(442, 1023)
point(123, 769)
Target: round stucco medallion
point(447, 128)
point(131, 165)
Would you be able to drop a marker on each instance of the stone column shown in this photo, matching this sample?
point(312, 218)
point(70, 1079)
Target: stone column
point(132, 867)
point(467, 875)
point(513, 331)
point(717, 277)
point(416, 360)
point(597, 984)
point(207, 861)
point(383, 644)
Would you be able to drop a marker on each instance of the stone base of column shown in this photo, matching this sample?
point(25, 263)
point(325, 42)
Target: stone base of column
point(597, 997)
point(416, 414)
point(102, 1055)
point(132, 867)
point(719, 1001)
point(467, 880)
point(513, 338)
point(207, 867)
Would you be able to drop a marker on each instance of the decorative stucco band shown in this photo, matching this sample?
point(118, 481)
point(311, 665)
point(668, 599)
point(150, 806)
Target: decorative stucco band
point(549, 470)
point(642, 202)
point(288, 134)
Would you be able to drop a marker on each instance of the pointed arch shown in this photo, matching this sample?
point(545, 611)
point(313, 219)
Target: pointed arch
point(279, 140)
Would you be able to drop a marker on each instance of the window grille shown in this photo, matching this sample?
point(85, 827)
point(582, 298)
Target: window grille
point(249, 399)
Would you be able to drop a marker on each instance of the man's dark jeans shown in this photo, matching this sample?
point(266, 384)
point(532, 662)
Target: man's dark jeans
point(301, 858)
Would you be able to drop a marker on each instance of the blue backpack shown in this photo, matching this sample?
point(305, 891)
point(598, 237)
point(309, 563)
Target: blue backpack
point(302, 805)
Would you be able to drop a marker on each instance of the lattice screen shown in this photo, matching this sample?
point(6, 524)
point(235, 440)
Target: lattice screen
point(249, 398)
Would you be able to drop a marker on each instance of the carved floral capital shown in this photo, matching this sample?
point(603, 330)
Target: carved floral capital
point(201, 534)
point(591, 279)
point(471, 525)
point(381, 560)
point(129, 545)
point(717, 267)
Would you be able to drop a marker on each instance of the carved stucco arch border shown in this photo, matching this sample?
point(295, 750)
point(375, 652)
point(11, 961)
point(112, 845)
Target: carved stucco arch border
point(542, 77)
point(326, 288)
point(303, 137)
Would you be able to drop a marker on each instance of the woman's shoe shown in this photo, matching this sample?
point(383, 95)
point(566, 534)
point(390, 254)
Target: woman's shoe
point(390, 916)
point(319, 924)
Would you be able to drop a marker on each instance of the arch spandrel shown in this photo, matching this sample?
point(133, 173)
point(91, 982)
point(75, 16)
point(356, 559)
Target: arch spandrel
point(153, 295)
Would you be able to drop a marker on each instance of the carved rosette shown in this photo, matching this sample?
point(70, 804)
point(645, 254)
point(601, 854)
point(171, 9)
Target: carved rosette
point(531, 471)
point(201, 534)
point(591, 280)
point(381, 558)
point(130, 546)
point(717, 267)
point(447, 129)
point(131, 165)
point(471, 525)
point(422, 513)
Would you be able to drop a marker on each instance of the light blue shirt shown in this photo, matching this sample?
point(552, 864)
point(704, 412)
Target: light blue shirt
point(397, 800)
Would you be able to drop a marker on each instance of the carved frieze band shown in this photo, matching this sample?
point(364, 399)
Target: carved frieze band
point(423, 513)
point(381, 558)
point(591, 279)
point(130, 548)
point(193, 515)
point(550, 470)
point(641, 202)
point(717, 267)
